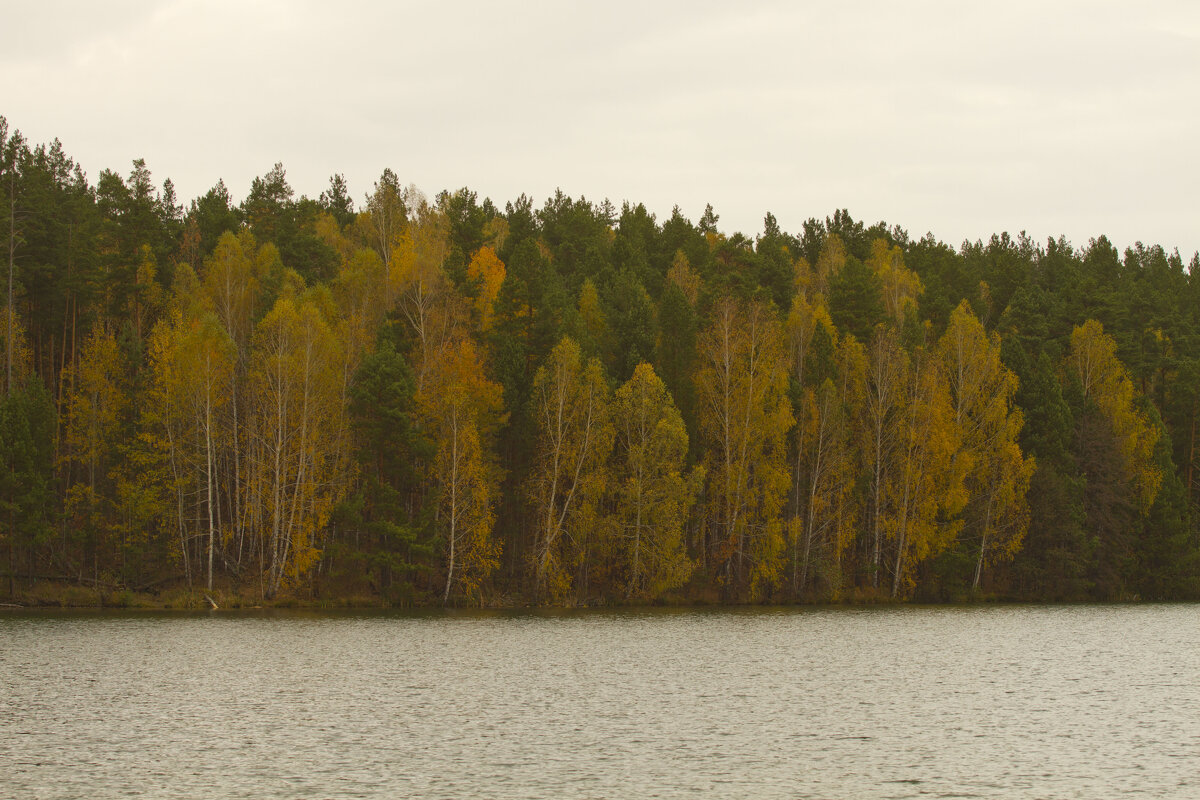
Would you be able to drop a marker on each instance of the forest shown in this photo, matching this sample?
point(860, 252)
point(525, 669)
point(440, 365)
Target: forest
point(413, 400)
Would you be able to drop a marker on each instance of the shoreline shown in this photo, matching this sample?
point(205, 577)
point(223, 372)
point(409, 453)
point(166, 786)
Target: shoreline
point(70, 598)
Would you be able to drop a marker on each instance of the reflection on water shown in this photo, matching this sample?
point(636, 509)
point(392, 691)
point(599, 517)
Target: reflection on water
point(1012, 702)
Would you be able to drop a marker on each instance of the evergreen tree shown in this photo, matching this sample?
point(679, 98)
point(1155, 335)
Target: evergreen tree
point(856, 300)
point(389, 448)
point(26, 476)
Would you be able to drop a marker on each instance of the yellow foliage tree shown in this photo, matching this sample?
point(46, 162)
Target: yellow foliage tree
point(654, 495)
point(415, 268)
point(232, 282)
point(877, 408)
point(899, 285)
point(595, 325)
point(982, 390)
point(463, 411)
point(925, 489)
point(745, 417)
point(495, 231)
point(233, 289)
point(803, 277)
point(18, 353)
point(682, 275)
point(297, 403)
point(570, 405)
point(830, 261)
point(488, 272)
point(418, 286)
point(1105, 382)
point(808, 314)
point(850, 360)
point(821, 472)
point(328, 231)
point(825, 471)
point(192, 360)
point(360, 291)
point(386, 213)
point(95, 403)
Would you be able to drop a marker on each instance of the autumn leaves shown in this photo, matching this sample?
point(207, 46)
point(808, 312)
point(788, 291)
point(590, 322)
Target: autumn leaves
point(824, 466)
point(461, 434)
point(883, 454)
point(423, 400)
point(610, 489)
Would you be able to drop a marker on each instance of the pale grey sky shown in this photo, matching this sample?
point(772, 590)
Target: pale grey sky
point(963, 119)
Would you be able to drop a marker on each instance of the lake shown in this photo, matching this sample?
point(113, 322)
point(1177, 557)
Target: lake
point(1005, 702)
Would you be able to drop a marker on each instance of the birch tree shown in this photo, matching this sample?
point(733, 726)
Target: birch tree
point(488, 272)
point(825, 480)
point(192, 360)
point(570, 405)
point(95, 407)
point(744, 421)
point(1105, 382)
point(982, 391)
point(296, 389)
point(463, 410)
point(899, 286)
point(654, 494)
point(924, 491)
point(878, 431)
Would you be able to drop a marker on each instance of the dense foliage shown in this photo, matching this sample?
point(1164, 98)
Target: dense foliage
point(414, 400)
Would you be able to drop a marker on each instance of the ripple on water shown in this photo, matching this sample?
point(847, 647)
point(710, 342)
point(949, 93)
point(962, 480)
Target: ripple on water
point(911, 702)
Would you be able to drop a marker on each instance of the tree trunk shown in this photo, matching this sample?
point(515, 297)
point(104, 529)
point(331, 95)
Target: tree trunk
point(12, 252)
point(987, 524)
point(208, 453)
point(453, 506)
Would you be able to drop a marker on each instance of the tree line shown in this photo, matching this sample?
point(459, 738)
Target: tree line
point(416, 400)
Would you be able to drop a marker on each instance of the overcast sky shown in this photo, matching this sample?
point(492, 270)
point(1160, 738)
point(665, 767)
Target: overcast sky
point(962, 119)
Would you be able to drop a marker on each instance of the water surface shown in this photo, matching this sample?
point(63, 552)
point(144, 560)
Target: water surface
point(1008, 702)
